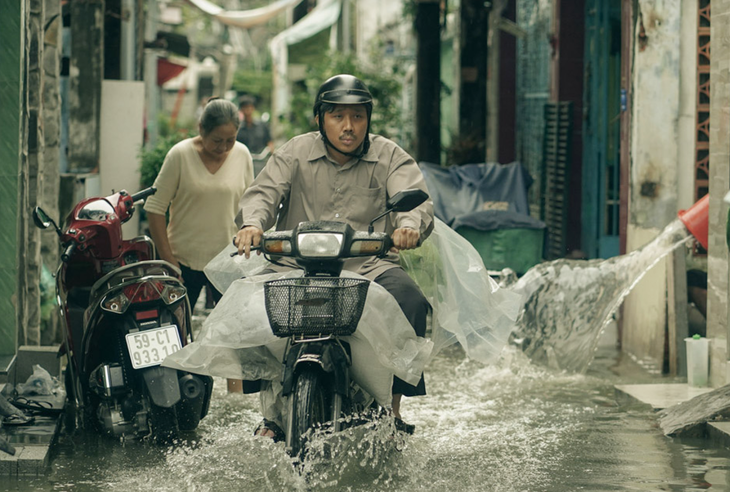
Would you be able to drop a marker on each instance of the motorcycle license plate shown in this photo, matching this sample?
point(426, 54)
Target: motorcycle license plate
point(150, 347)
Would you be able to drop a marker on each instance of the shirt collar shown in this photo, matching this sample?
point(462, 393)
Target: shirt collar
point(318, 150)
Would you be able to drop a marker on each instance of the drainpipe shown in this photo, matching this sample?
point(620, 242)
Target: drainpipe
point(727, 224)
point(727, 312)
point(345, 18)
point(152, 102)
point(129, 40)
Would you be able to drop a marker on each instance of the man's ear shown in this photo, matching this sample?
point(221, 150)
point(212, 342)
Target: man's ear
point(316, 120)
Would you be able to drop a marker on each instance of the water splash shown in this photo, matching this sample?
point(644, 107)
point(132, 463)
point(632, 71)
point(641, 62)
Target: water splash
point(368, 453)
point(512, 426)
point(569, 302)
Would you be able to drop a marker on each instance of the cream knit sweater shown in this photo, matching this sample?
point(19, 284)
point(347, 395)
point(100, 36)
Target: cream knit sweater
point(202, 205)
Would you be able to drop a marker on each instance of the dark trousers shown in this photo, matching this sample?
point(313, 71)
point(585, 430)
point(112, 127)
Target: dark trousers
point(194, 282)
point(415, 306)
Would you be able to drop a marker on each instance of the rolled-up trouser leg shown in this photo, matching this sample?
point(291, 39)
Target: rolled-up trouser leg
point(272, 402)
point(415, 306)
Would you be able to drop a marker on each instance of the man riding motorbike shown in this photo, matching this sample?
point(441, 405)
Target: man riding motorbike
point(343, 173)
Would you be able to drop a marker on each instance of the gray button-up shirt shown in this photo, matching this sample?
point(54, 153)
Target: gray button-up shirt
point(310, 186)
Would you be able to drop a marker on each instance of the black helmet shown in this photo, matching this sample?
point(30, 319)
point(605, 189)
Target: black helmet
point(343, 89)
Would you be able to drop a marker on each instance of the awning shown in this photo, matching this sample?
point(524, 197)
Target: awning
point(322, 17)
point(167, 70)
point(244, 18)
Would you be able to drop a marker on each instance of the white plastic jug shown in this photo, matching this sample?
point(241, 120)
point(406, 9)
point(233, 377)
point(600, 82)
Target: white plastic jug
point(698, 356)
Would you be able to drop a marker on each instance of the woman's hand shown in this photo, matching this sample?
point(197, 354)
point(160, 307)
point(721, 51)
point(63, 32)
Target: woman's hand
point(247, 237)
point(171, 259)
point(158, 231)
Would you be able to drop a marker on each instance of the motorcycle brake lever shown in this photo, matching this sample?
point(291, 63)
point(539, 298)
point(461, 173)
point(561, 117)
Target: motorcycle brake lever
point(235, 253)
point(253, 248)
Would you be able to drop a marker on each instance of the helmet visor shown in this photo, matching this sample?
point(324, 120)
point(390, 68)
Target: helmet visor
point(346, 96)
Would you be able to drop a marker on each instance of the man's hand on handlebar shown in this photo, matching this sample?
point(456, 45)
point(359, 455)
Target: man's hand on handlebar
point(405, 238)
point(247, 237)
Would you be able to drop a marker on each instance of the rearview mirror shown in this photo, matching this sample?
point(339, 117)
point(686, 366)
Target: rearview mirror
point(41, 219)
point(403, 201)
point(406, 200)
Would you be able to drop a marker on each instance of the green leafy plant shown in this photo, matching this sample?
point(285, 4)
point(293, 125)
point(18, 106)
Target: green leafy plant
point(152, 158)
point(255, 83)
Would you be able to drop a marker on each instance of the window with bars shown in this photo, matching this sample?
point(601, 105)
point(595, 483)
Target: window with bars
point(702, 134)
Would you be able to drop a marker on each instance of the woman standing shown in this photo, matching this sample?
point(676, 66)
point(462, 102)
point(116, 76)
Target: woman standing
point(201, 181)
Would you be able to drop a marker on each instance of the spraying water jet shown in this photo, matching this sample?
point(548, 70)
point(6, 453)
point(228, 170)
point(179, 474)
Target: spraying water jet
point(568, 303)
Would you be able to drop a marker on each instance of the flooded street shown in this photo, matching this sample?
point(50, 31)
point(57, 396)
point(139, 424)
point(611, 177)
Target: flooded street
point(511, 427)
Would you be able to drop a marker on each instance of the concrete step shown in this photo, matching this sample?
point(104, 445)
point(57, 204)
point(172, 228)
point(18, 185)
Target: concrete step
point(662, 396)
point(32, 442)
point(7, 364)
point(658, 395)
point(32, 445)
point(719, 432)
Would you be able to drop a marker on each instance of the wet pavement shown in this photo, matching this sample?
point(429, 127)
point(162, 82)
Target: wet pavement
point(513, 426)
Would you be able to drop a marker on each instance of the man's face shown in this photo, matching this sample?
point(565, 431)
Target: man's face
point(247, 110)
point(346, 126)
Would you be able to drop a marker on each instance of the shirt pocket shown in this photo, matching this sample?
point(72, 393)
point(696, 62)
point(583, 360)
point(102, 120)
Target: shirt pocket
point(365, 204)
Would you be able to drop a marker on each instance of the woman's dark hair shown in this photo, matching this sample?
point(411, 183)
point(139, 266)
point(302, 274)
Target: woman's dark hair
point(216, 113)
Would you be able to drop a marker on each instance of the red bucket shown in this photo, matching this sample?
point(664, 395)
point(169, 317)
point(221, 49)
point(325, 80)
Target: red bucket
point(695, 219)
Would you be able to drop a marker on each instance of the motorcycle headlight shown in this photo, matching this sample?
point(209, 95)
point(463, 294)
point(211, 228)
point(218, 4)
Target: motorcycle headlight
point(320, 245)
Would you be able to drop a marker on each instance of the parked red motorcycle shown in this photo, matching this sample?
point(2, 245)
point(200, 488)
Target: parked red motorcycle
point(124, 312)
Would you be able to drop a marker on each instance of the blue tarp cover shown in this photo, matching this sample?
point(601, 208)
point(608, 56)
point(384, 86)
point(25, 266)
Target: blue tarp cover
point(491, 220)
point(484, 196)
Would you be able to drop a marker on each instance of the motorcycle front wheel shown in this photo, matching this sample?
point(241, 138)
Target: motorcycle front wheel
point(311, 407)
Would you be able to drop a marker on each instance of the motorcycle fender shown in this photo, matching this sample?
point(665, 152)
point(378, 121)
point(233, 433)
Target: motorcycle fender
point(162, 385)
point(330, 357)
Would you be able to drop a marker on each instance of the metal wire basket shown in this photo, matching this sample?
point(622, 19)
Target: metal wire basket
point(313, 306)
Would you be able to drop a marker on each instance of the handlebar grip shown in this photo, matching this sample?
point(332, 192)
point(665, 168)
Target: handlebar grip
point(66, 255)
point(144, 193)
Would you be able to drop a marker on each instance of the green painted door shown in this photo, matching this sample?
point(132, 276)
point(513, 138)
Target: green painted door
point(601, 125)
point(12, 34)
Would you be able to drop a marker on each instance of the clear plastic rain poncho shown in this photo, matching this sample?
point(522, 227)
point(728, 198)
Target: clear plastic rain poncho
point(468, 306)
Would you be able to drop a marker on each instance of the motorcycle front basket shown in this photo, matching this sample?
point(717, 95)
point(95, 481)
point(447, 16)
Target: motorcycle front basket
point(315, 306)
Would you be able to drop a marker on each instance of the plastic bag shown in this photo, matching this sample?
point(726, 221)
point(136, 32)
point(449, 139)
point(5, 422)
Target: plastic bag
point(225, 269)
point(236, 340)
point(468, 305)
point(39, 383)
